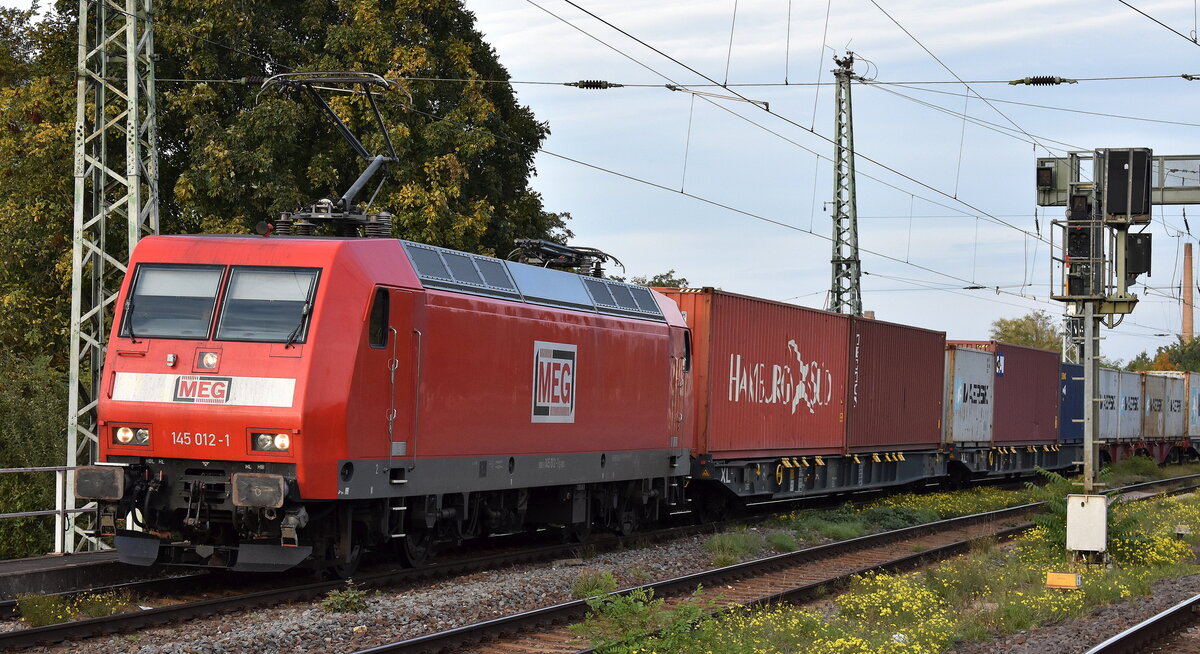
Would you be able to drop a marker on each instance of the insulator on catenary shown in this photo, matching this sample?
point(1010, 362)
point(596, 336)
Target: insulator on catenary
point(593, 84)
point(253, 81)
point(1043, 80)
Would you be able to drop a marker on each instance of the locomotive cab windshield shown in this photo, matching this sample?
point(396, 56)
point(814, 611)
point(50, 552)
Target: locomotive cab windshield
point(260, 304)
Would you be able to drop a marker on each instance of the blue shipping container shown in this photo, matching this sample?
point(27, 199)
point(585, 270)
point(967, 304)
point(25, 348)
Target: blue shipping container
point(1070, 406)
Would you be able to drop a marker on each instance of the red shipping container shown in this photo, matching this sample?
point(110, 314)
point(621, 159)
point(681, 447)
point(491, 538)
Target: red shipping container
point(895, 393)
point(769, 378)
point(1027, 392)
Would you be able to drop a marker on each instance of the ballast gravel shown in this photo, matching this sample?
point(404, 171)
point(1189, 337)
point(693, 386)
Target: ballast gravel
point(406, 613)
point(401, 614)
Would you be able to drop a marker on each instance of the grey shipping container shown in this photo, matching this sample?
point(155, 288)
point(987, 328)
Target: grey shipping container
point(1193, 404)
point(1130, 399)
point(1174, 406)
point(1154, 401)
point(969, 401)
point(1109, 405)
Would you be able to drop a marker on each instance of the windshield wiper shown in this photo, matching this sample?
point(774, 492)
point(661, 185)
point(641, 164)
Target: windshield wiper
point(129, 317)
point(299, 325)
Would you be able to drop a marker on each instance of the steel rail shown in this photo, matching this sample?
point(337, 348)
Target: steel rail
point(174, 613)
point(472, 634)
point(1140, 637)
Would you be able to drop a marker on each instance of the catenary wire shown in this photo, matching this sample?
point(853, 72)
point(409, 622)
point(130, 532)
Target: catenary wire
point(977, 211)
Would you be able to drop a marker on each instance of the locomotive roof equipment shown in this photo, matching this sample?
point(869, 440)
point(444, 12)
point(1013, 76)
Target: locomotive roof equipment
point(342, 215)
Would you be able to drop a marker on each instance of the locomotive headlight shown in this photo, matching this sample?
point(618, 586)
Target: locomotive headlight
point(270, 442)
point(131, 436)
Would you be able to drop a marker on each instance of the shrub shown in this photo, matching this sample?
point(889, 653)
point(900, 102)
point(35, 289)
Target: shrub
point(33, 403)
point(42, 610)
point(99, 605)
point(591, 583)
point(622, 623)
point(351, 599)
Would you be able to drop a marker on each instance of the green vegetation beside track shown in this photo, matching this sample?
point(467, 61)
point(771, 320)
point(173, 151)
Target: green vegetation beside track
point(993, 590)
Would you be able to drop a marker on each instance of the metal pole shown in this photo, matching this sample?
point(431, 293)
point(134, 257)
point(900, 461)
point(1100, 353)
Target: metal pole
point(1187, 293)
point(1091, 330)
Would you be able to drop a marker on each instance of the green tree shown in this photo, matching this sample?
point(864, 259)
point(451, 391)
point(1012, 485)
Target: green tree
point(1181, 355)
point(33, 406)
point(37, 114)
point(662, 279)
point(230, 157)
point(666, 279)
point(1034, 329)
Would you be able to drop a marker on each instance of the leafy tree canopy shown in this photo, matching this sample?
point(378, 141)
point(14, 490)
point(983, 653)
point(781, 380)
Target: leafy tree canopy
point(1181, 355)
point(229, 157)
point(667, 279)
point(1034, 329)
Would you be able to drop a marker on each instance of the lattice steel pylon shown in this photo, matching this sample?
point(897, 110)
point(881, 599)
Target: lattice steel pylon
point(114, 207)
point(845, 293)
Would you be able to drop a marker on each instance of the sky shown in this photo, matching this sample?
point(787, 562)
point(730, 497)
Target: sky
point(943, 203)
point(729, 194)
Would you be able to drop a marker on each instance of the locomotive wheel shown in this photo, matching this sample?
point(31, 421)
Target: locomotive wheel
point(580, 532)
point(347, 569)
point(416, 548)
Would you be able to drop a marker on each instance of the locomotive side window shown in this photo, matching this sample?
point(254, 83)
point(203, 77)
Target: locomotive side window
point(379, 318)
point(171, 301)
point(267, 305)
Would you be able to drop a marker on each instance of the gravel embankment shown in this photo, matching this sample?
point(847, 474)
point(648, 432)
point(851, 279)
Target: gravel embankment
point(393, 616)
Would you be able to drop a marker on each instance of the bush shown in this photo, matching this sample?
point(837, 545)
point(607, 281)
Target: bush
point(591, 583)
point(352, 599)
point(99, 605)
point(43, 610)
point(620, 623)
point(33, 410)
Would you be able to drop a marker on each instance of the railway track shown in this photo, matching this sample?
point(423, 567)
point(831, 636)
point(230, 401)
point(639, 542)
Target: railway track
point(1176, 630)
point(273, 594)
point(794, 577)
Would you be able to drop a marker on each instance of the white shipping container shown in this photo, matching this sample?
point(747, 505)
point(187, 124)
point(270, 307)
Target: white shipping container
point(1130, 407)
point(970, 400)
point(1154, 405)
point(1174, 413)
point(1109, 404)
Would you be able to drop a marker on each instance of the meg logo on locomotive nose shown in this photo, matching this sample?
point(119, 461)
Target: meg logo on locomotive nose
point(553, 382)
point(202, 390)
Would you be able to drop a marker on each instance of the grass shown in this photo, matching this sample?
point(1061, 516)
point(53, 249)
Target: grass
point(591, 583)
point(988, 591)
point(733, 546)
point(43, 610)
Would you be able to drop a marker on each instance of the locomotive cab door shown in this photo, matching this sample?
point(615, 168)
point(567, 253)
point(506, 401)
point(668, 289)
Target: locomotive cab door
point(391, 366)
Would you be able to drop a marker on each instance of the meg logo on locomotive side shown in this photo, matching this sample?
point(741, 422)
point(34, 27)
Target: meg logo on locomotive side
point(553, 382)
point(202, 390)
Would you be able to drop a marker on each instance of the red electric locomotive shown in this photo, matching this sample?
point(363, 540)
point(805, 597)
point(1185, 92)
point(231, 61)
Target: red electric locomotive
point(272, 401)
